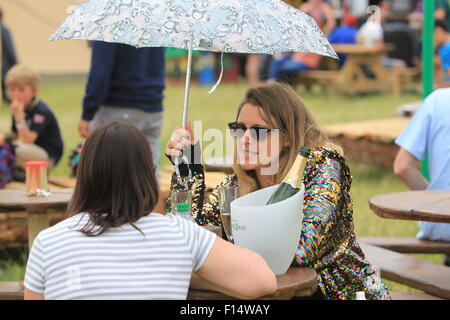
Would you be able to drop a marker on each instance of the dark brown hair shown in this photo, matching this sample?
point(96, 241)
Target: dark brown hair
point(116, 182)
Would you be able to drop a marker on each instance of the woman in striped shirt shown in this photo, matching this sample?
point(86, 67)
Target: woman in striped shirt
point(113, 247)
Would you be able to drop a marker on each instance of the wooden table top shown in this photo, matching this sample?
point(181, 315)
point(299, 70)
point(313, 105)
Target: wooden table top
point(361, 49)
point(299, 282)
point(428, 205)
point(12, 200)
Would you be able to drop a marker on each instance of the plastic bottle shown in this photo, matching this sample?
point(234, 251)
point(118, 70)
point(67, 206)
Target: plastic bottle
point(183, 210)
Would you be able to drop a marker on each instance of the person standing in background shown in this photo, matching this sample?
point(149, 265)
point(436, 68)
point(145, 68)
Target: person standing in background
point(8, 58)
point(357, 8)
point(427, 133)
point(125, 84)
point(252, 69)
point(322, 12)
point(442, 59)
point(345, 34)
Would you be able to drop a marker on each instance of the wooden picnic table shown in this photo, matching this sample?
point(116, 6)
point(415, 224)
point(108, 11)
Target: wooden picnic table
point(427, 205)
point(36, 209)
point(387, 253)
point(362, 55)
point(296, 282)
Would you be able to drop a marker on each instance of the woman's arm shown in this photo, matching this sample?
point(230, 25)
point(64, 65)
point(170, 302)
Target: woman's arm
point(182, 142)
point(205, 210)
point(327, 183)
point(31, 295)
point(235, 271)
point(406, 167)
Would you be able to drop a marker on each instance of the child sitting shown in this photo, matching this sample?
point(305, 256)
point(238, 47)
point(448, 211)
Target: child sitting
point(35, 131)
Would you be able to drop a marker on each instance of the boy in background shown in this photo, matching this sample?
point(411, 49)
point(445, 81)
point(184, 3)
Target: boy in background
point(35, 130)
point(442, 42)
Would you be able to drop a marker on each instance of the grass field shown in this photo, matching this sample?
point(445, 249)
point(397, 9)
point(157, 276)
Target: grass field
point(64, 95)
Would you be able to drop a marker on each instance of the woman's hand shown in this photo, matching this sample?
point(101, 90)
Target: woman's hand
point(181, 139)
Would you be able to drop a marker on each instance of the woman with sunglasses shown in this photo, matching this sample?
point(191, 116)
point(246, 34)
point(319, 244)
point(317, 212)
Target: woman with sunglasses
point(275, 112)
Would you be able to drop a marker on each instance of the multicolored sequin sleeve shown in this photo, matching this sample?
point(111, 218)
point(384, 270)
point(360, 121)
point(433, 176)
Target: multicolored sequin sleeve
point(328, 243)
point(321, 199)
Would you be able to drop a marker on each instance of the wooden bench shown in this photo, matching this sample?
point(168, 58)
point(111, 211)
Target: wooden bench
point(412, 296)
point(408, 245)
point(431, 278)
point(11, 290)
point(401, 78)
point(327, 79)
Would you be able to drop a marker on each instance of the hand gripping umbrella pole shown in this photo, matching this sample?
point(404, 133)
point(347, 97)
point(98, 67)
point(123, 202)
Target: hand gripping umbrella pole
point(183, 158)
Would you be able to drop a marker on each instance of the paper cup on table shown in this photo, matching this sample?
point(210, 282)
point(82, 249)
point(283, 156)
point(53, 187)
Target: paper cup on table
point(272, 230)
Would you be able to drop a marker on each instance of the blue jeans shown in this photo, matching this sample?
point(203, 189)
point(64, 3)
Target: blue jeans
point(285, 65)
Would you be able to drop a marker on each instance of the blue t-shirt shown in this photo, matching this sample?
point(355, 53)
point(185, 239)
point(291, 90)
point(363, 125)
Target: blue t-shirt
point(444, 54)
point(428, 132)
point(343, 35)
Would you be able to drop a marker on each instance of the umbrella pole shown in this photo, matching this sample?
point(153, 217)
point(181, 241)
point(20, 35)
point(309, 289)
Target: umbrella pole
point(179, 160)
point(188, 84)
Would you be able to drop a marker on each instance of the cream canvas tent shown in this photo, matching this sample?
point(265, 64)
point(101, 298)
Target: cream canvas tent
point(31, 23)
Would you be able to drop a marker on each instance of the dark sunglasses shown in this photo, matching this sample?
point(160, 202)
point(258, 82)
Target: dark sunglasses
point(257, 133)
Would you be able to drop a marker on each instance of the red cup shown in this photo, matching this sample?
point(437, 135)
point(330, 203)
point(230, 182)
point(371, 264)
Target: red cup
point(36, 177)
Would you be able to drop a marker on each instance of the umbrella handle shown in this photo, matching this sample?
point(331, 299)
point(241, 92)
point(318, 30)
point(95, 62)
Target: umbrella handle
point(177, 162)
point(187, 85)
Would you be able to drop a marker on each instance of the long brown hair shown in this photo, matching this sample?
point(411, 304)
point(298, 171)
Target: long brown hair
point(284, 109)
point(116, 183)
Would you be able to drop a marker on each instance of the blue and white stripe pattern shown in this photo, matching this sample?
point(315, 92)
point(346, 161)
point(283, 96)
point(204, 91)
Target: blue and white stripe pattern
point(121, 263)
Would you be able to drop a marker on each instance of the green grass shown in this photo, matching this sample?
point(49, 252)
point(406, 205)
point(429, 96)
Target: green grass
point(64, 95)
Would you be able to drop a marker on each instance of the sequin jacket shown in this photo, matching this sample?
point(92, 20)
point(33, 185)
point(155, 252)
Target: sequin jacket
point(327, 243)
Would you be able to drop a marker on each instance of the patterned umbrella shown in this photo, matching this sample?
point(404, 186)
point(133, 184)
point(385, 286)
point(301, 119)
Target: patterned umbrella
point(244, 26)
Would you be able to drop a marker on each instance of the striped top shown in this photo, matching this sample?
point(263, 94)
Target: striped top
point(121, 263)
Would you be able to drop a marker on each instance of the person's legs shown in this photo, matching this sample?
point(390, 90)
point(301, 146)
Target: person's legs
point(252, 69)
point(293, 67)
point(290, 70)
point(103, 115)
point(276, 65)
point(149, 123)
point(151, 128)
point(30, 152)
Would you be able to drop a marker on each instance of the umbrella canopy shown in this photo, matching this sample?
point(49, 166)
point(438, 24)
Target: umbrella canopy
point(244, 26)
